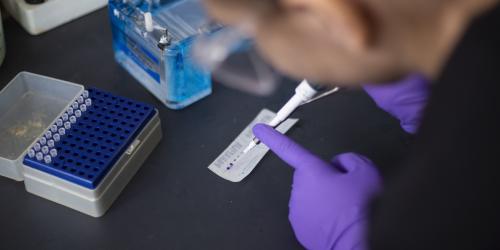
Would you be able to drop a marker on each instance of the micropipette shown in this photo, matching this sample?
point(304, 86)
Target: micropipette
point(303, 94)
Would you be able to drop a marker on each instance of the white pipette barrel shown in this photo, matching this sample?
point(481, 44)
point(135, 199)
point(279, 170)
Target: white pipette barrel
point(303, 93)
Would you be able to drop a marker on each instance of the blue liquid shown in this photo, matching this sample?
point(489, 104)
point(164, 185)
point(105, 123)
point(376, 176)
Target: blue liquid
point(170, 74)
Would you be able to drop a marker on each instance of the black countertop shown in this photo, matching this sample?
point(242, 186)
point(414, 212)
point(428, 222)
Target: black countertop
point(174, 201)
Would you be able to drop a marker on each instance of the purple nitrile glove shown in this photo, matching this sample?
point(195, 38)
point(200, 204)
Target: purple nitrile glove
point(329, 199)
point(405, 99)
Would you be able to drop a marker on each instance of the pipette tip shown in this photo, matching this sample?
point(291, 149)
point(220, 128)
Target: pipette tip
point(250, 146)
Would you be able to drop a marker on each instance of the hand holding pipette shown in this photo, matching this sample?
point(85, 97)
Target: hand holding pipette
point(303, 93)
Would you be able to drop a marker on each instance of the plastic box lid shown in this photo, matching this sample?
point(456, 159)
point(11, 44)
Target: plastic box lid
point(29, 104)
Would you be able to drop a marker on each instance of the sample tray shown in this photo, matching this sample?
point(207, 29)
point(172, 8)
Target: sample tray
point(87, 146)
point(96, 140)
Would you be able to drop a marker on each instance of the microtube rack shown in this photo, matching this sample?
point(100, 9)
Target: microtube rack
point(86, 141)
point(85, 145)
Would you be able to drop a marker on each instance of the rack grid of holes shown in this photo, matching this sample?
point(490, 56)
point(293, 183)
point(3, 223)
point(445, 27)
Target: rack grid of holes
point(89, 137)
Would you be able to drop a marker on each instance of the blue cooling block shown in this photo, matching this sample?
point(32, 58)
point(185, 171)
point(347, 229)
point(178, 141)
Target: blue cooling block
point(98, 135)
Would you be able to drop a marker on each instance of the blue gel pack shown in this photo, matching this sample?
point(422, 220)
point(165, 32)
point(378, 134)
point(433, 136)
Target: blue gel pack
point(94, 143)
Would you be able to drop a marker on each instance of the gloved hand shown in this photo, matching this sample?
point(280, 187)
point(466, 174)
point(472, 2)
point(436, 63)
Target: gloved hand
point(328, 199)
point(405, 99)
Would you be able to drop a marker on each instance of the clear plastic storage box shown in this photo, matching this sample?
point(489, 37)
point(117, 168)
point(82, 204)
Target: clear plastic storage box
point(74, 146)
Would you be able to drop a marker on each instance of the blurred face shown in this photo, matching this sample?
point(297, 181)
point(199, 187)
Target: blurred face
point(333, 41)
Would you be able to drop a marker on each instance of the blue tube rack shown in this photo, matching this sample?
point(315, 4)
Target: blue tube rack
point(95, 141)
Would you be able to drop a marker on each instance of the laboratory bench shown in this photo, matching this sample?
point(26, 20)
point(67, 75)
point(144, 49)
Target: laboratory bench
point(174, 201)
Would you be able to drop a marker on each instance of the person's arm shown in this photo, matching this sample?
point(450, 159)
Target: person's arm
point(329, 199)
point(447, 194)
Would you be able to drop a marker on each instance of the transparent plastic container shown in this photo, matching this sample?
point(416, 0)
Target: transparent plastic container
point(28, 104)
point(83, 170)
point(160, 58)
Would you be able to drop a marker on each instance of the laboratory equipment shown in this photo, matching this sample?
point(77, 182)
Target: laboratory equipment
point(38, 16)
point(85, 164)
point(153, 40)
point(303, 93)
point(234, 165)
point(2, 42)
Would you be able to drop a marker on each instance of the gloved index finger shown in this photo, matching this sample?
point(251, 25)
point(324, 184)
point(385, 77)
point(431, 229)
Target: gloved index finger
point(288, 150)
